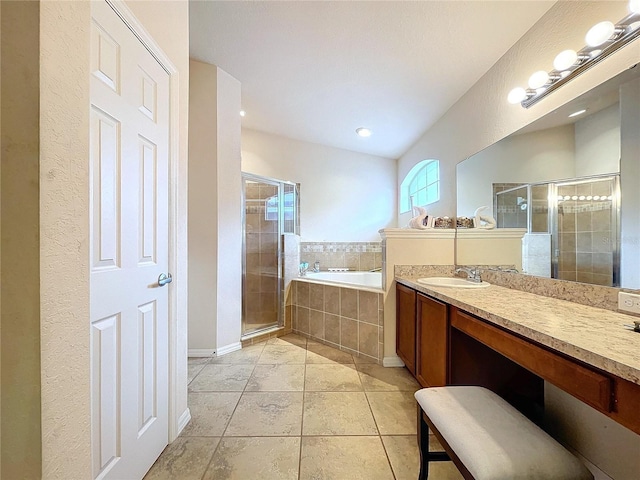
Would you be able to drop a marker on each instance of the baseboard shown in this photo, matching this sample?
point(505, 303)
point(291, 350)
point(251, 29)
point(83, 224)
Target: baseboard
point(184, 419)
point(229, 348)
point(393, 361)
point(201, 352)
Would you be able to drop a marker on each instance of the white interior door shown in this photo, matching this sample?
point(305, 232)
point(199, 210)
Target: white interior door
point(129, 250)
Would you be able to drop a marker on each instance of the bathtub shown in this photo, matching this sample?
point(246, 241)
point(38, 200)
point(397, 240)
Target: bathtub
point(351, 279)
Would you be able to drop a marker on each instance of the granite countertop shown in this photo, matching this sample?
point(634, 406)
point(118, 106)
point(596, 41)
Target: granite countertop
point(592, 335)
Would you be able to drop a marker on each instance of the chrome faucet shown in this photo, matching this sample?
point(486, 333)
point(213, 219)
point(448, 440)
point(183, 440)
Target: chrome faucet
point(304, 266)
point(473, 274)
point(316, 267)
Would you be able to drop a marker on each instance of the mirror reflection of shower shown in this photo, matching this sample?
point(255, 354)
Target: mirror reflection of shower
point(271, 209)
point(573, 227)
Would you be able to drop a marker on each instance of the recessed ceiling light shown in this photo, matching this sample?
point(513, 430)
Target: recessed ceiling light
point(242, 113)
point(579, 112)
point(363, 132)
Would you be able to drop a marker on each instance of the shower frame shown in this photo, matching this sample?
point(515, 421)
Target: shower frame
point(279, 184)
point(552, 219)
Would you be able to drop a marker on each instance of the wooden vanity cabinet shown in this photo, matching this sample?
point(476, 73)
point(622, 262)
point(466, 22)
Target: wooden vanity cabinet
point(406, 326)
point(431, 348)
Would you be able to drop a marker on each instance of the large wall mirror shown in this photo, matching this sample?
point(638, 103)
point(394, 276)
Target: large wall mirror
point(572, 180)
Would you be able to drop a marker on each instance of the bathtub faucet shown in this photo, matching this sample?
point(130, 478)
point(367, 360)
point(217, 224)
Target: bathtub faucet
point(316, 267)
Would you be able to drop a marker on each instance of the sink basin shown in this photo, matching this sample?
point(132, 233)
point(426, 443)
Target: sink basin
point(451, 282)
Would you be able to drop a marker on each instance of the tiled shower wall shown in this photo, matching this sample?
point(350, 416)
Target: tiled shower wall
point(362, 256)
point(346, 318)
point(585, 233)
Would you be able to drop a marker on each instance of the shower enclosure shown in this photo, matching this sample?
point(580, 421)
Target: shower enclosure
point(573, 227)
point(270, 210)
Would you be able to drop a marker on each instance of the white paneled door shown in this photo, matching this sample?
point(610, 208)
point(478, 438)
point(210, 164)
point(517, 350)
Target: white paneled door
point(129, 250)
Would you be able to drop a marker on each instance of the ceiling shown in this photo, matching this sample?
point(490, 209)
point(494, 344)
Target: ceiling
point(317, 70)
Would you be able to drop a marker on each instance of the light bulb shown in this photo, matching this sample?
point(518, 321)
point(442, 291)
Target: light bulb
point(538, 79)
point(596, 197)
point(589, 197)
point(242, 113)
point(517, 95)
point(599, 33)
point(565, 59)
point(581, 197)
point(634, 6)
point(363, 132)
point(574, 197)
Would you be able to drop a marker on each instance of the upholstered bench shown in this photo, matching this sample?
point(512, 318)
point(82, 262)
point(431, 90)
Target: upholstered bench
point(488, 439)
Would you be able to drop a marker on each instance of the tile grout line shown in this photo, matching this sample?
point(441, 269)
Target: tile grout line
point(230, 417)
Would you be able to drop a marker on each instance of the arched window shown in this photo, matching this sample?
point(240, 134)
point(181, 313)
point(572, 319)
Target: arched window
point(422, 183)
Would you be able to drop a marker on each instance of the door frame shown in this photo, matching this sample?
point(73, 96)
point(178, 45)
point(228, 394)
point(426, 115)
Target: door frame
point(177, 420)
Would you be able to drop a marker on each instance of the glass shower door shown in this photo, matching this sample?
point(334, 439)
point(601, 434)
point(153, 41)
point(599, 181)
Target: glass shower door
point(261, 262)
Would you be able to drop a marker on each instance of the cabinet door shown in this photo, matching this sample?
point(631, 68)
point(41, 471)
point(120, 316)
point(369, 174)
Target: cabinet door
point(431, 363)
point(406, 326)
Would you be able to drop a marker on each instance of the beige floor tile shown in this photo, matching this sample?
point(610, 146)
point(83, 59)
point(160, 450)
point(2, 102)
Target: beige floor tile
point(210, 413)
point(247, 355)
point(319, 353)
point(378, 378)
point(405, 459)
point(289, 340)
point(395, 412)
point(332, 378)
point(342, 458)
point(364, 359)
point(264, 458)
point(186, 458)
point(198, 360)
point(222, 378)
point(279, 354)
point(267, 414)
point(194, 370)
point(277, 378)
point(337, 413)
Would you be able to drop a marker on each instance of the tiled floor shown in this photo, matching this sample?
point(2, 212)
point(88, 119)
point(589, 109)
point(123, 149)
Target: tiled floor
point(292, 409)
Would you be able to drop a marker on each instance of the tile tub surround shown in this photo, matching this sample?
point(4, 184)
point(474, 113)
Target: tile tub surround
point(359, 256)
point(592, 335)
point(349, 319)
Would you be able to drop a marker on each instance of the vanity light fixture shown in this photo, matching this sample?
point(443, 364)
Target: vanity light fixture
point(579, 112)
point(363, 132)
point(601, 40)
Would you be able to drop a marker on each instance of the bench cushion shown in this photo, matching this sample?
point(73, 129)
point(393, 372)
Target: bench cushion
point(493, 439)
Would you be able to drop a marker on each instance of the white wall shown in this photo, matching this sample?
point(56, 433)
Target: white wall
point(215, 210)
point(531, 157)
point(598, 142)
point(64, 220)
point(483, 116)
point(344, 196)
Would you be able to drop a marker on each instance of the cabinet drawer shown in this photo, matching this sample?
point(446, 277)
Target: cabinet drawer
point(585, 384)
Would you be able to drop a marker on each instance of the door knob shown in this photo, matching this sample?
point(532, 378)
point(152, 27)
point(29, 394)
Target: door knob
point(164, 278)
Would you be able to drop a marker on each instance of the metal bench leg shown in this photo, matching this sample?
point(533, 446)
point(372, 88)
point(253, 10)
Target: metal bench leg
point(423, 445)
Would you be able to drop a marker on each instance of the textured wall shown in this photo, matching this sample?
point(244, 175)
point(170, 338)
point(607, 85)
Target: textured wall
point(215, 216)
point(202, 226)
point(483, 116)
point(20, 276)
